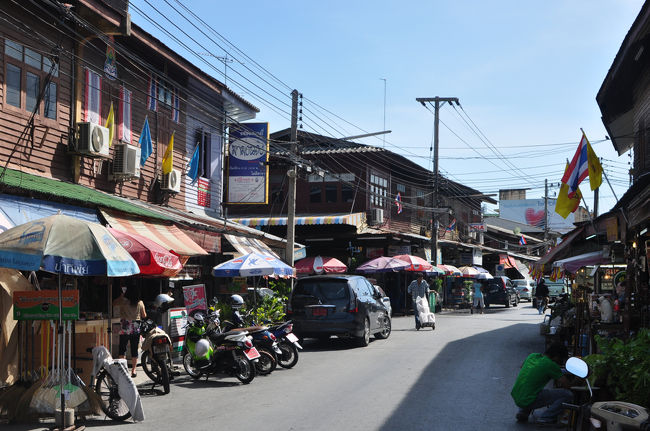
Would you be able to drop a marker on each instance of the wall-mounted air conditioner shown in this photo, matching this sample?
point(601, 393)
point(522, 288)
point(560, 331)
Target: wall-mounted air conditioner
point(126, 162)
point(92, 140)
point(376, 216)
point(172, 181)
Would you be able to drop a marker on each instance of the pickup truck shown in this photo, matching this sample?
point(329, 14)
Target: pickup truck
point(555, 289)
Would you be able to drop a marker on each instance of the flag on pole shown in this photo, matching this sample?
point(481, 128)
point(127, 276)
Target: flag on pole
point(452, 225)
point(168, 158)
point(564, 205)
point(193, 173)
point(398, 202)
point(522, 240)
point(584, 163)
point(145, 142)
point(110, 124)
point(595, 168)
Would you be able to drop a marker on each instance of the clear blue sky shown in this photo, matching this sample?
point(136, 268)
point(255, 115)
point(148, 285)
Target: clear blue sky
point(526, 73)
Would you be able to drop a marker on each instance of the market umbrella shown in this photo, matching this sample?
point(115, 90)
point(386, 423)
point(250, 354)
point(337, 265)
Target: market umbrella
point(252, 264)
point(64, 245)
point(468, 271)
point(450, 269)
point(484, 276)
point(435, 271)
point(151, 257)
point(382, 264)
point(415, 263)
point(320, 264)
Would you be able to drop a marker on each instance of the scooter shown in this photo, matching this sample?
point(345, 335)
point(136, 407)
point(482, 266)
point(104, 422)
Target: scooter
point(208, 351)
point(287, 343)
point(156, 358)
point(605, 415)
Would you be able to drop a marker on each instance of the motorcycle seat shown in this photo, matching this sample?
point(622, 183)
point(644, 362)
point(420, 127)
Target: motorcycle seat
point(250, 329)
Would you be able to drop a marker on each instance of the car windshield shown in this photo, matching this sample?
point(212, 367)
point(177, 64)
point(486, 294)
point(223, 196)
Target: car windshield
point(323, 289)
point(520, 283)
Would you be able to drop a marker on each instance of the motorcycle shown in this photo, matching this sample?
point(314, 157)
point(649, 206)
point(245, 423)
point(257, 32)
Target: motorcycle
point(156, 358)
point(604, 415)
point(287, 343)
point(208, 351)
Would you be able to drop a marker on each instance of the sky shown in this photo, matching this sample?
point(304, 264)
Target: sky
point(526, 75)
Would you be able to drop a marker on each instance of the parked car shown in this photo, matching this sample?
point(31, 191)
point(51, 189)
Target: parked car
point(341, 305)
point(500, 290)
point(555, 289)
point(525, 287)
point(384, 299)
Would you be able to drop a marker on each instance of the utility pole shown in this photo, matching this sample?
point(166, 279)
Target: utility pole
point(292, 174)
point(545, 209)
point(434, 222)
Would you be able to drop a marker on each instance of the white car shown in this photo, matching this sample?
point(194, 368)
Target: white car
point(525, 287)
point(384, 299)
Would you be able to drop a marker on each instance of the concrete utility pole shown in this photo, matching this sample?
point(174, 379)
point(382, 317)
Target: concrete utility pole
point(434, 222)
point(545, 209)
point(292, 174)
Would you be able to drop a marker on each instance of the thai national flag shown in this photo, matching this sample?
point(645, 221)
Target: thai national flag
point(452, 225)
point(398, 202)
point(578, 168)
point(522, 240)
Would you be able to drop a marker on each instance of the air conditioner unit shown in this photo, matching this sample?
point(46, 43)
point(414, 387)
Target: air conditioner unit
point(172, 181)
point(92, 140)
point(126, 161)
point(376, 216)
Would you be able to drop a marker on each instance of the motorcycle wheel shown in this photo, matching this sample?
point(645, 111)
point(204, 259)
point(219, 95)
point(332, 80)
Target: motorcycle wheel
point(244, 370)
point(289, 356)
point(150, 367)
point(164, 376)
point(266, 363)
point(112, 404)
point(188, 364)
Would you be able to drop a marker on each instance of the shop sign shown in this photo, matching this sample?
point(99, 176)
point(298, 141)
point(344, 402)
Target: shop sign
point(373, 252)
point(396, 250)
point(477, 227)
point(190, 272)
point(195, 298)
point(178, 321)
point(44, 305)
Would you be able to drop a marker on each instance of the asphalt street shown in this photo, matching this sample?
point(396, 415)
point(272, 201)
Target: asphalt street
point(456, 377)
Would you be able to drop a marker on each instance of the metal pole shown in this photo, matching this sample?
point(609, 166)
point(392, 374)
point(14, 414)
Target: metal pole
point(61, 355)
point(545, 209)
point(292, 173)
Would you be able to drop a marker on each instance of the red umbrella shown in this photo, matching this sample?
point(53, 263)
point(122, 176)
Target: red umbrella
point(151, 257)
point(416, 263)
point(319, 264)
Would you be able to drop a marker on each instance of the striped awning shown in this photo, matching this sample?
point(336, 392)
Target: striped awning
point(245, 245)
point(354, 219)
point(169, 236)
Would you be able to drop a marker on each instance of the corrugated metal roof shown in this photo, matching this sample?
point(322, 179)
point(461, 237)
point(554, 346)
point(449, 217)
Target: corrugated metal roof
point(73, 192)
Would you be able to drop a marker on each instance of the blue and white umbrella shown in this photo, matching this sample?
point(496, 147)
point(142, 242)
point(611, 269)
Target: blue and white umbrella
point(252, 264)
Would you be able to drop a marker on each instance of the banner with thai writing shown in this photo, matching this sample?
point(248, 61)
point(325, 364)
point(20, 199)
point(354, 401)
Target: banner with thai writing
point(195, 298)
point(44, 305)
point(248, 155)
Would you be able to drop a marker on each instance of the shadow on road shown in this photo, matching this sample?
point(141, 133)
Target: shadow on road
point(476, 386)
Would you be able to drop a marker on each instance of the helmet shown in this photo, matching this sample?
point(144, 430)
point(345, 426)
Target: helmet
point(163, 301)
point(236, 301)
point(202, 347)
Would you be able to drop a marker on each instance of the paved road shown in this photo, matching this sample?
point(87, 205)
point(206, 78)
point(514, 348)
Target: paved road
point(456, 377)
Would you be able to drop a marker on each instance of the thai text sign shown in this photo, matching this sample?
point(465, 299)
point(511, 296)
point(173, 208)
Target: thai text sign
point(248, 154)
point(44, 305)
point(477, 227)
point(195, 298)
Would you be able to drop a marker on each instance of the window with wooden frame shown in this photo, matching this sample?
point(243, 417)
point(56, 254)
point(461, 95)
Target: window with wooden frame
point(25, 72)
point(378, 190)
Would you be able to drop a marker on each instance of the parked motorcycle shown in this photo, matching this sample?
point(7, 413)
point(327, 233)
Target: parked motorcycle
point(208, 351)
point(156, 358)
point(606, 415)
point(287, 343)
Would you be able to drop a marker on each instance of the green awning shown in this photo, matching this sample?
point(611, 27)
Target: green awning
point(72, 192)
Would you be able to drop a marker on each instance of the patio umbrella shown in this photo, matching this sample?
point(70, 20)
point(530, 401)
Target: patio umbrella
point(415, 263)
point(151, 257)
point(64, 245)
point(435, 271)
point(382, 264)
point(450, 269)
point(484, 276)
point(320, 264)
point(468, 271)
point(252, 264)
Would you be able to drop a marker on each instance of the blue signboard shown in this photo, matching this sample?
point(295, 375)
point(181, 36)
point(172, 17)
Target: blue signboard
point(248, 154)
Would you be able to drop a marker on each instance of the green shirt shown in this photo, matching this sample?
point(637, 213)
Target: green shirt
point(535, 373)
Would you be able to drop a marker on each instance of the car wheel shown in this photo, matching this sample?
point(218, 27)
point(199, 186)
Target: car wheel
point(386, 331)
point(508, 301)
point(364, 340)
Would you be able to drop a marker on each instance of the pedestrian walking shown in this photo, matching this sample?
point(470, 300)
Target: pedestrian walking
point(541, 295)
point(418, 288)
point(479, 301)
point(128, 308)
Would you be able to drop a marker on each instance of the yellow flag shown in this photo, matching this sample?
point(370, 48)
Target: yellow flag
point(595, 168)
point(564, 205)
point(110, 125)
point(168, 158)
